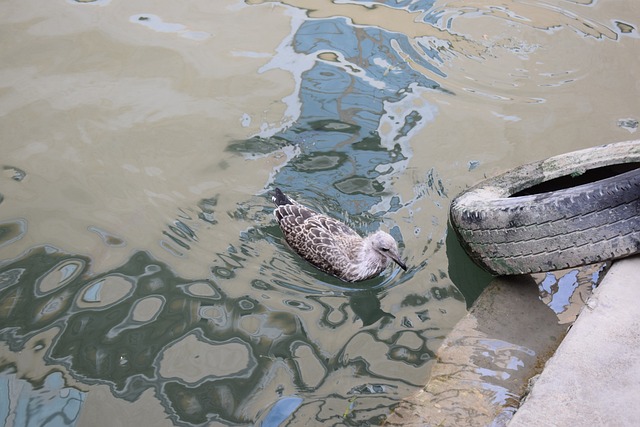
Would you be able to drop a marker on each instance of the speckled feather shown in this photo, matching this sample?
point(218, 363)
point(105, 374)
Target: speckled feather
point(331, 245)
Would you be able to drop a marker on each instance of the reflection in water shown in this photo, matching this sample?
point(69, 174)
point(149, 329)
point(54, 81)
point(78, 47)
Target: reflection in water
point(205, 354)
point(46, 404)
point(561, 290)
point(264, 338)
point(10, 231)
point(346, 98)
point(547, 16)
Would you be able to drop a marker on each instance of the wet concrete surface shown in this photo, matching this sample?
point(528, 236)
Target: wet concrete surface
point(594, 376)
point(485, 364)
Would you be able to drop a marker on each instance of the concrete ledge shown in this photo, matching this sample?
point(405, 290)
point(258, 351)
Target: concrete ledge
point(594, 376)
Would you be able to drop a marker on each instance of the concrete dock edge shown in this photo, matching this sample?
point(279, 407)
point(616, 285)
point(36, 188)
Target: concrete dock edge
point(594, 376)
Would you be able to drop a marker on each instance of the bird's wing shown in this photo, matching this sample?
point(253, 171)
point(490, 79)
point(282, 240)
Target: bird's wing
point(317, 238)
point(333, 226)
point(292, 215)
point(295, 216)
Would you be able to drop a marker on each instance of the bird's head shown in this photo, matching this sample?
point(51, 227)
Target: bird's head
point(385, 245)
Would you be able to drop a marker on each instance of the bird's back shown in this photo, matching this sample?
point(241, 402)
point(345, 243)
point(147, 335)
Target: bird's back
point(325, 242)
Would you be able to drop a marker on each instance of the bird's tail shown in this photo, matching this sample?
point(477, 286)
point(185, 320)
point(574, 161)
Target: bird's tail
point(279, 198)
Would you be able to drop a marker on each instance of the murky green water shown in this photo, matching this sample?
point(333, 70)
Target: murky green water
point(143, 279)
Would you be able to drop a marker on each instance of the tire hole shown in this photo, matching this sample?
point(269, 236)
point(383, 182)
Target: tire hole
point(569, 181)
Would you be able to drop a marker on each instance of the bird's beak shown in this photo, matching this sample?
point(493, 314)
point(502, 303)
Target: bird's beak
point(400, 263)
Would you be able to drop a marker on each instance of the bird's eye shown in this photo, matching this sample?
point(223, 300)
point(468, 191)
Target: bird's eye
point(384, 249)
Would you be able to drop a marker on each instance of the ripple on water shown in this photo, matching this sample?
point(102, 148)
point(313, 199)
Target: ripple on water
point(52, 307)
point(60, 275)
point(11, 231)
point(202, 290)
point(216, 315)
point(104, 292)
point(155, 23)
point(143, 312)
point(10, 277)
point(147, 309)
point(325, 161)
point(193, 359)
point(510, 34)
point(108, 238)
point(306, 360)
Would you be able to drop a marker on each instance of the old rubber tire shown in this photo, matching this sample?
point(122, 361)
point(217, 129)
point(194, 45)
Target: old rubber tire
point(569, 210)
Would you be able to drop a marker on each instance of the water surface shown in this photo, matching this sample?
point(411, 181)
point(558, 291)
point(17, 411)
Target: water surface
point(143, 278)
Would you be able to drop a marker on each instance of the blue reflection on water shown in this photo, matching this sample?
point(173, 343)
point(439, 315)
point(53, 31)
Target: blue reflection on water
point(356, 71)
point(50, 404)
point(343, 165)
point(280, 411)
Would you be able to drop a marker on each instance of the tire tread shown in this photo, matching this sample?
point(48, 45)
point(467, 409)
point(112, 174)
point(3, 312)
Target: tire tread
point(593, 222)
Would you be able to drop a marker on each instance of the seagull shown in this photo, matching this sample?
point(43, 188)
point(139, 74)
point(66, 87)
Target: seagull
point(331, 245)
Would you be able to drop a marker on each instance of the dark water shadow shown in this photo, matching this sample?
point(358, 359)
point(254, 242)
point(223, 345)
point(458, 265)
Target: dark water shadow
point(121, 328)
point(470, 279)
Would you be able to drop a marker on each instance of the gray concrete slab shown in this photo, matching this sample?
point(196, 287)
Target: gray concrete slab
point(593, 379)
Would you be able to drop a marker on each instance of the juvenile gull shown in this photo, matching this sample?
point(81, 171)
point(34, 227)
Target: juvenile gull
point(331, 245)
